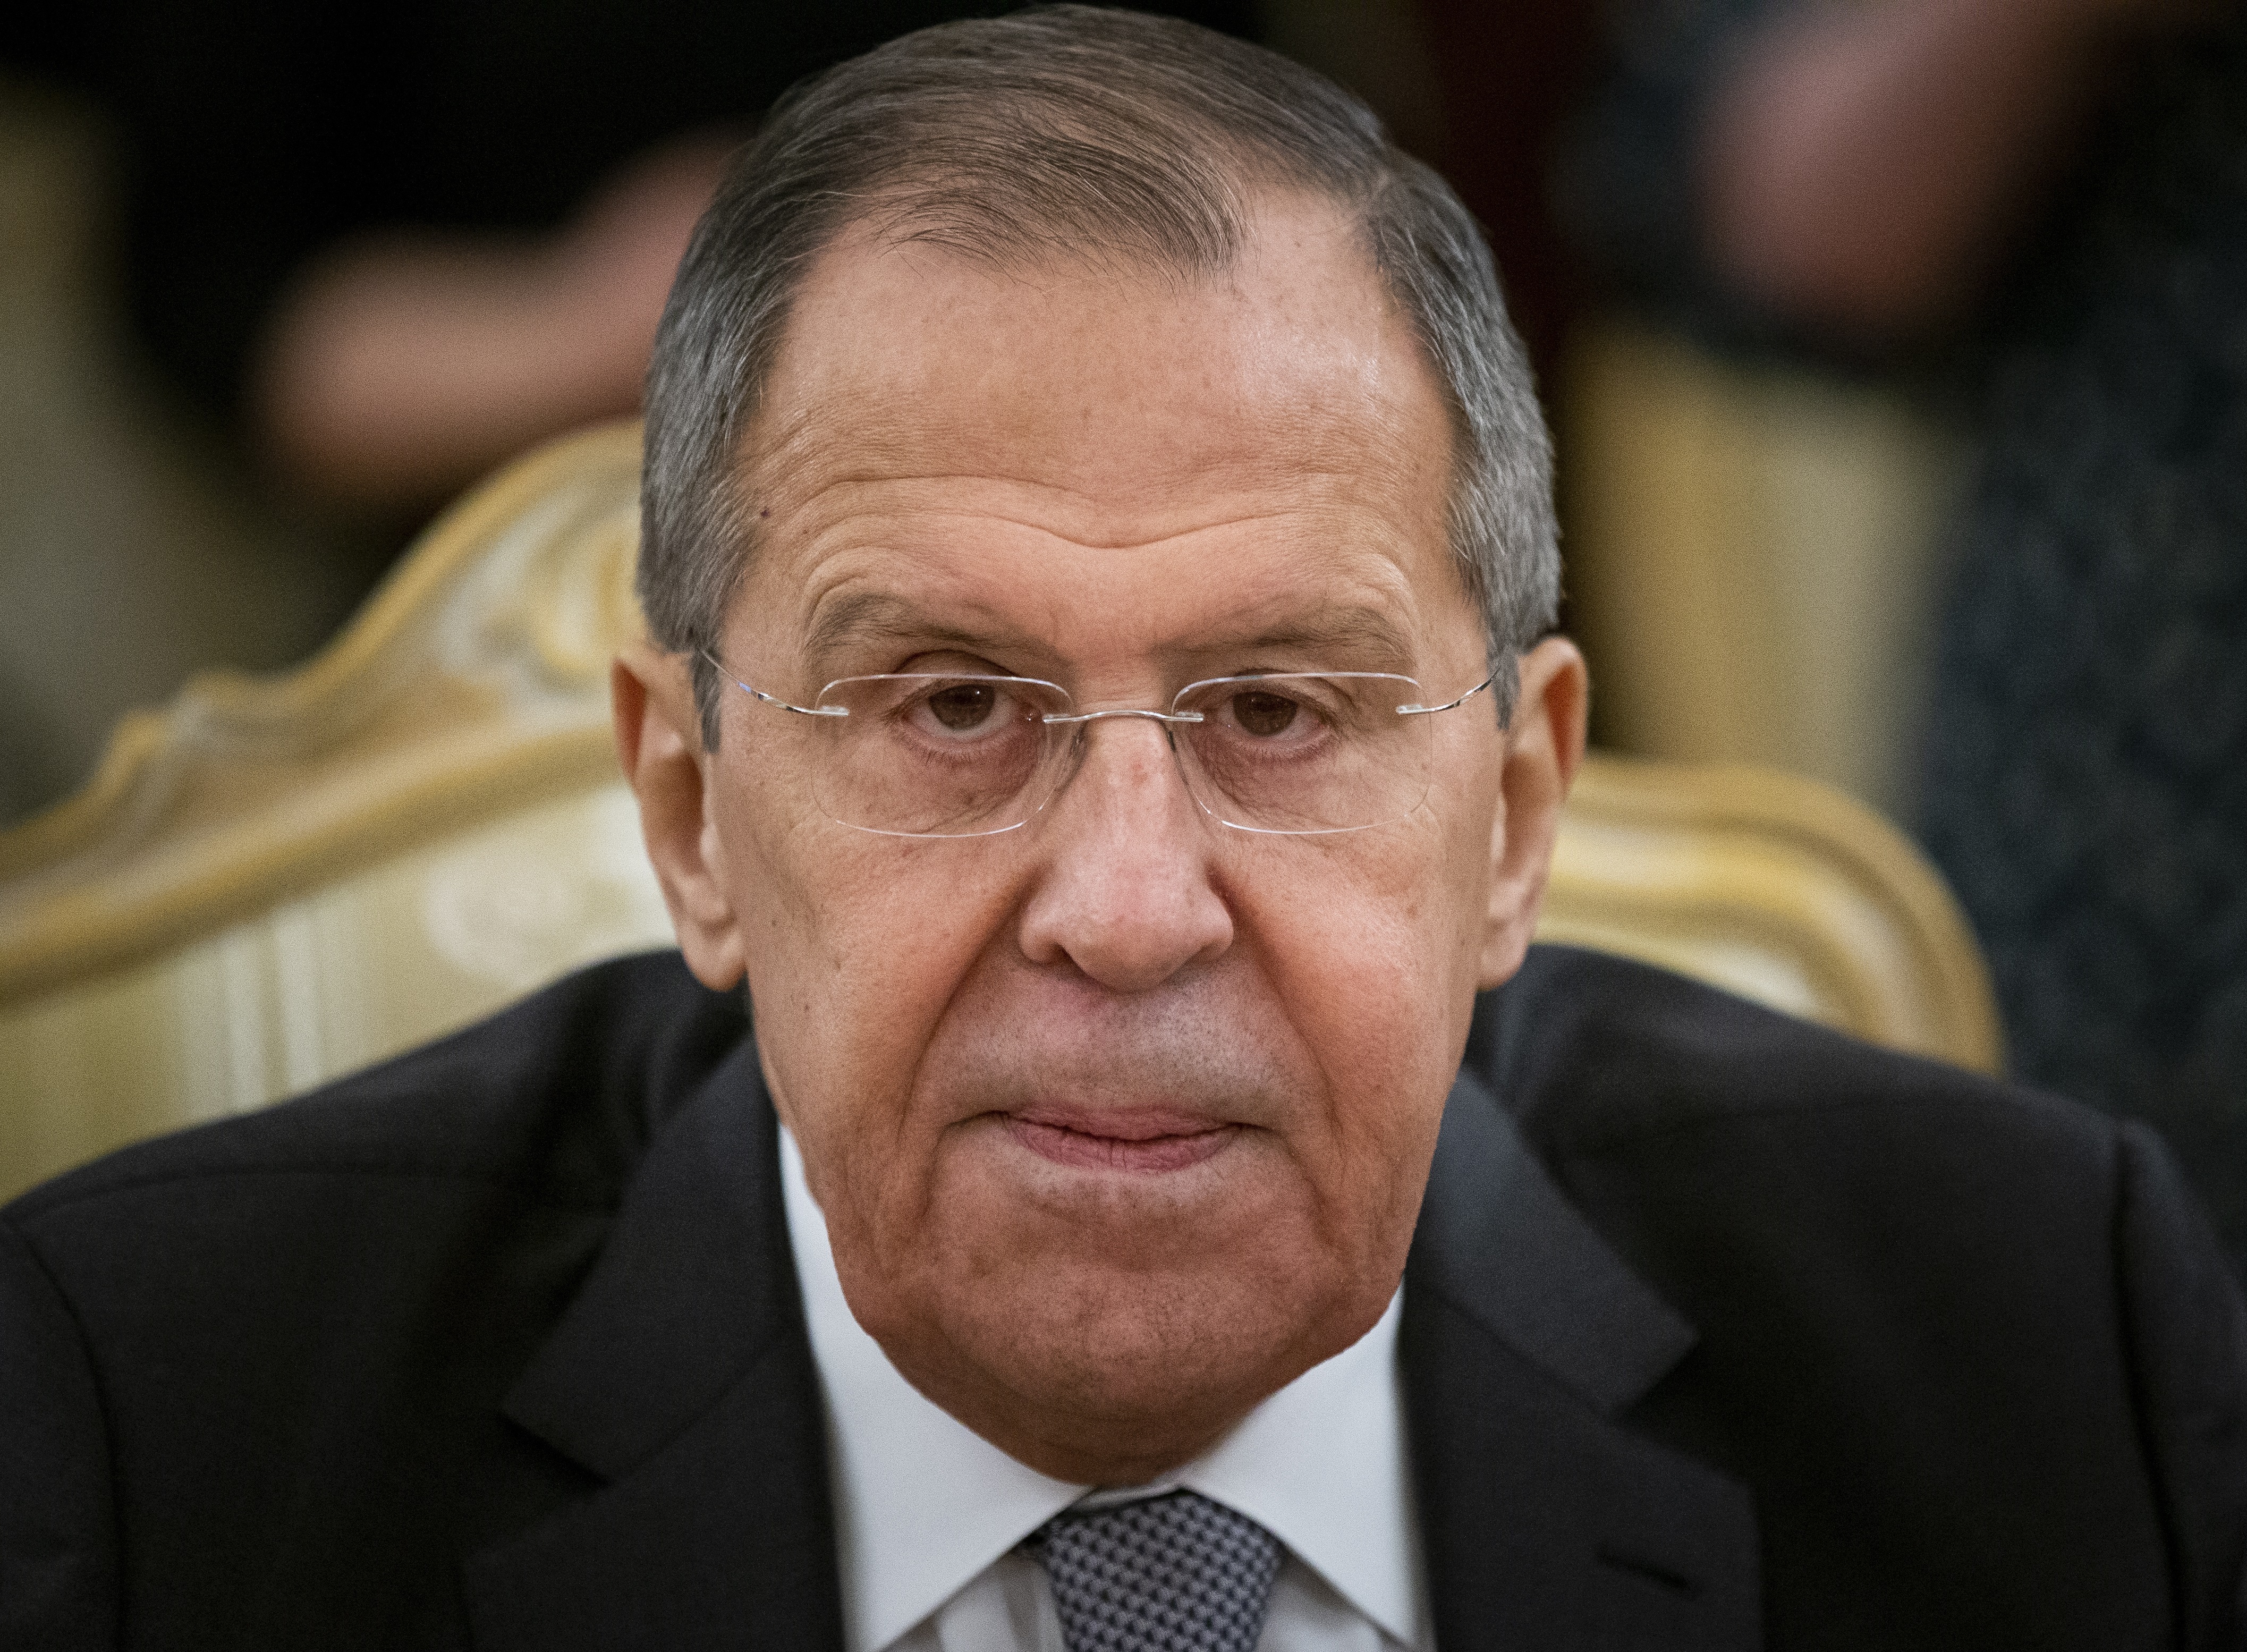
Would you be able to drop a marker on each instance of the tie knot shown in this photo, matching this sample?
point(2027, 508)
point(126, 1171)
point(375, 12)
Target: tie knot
point(1179, 1573)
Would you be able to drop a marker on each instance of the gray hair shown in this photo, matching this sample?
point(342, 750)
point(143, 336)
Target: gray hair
point(1112, 136)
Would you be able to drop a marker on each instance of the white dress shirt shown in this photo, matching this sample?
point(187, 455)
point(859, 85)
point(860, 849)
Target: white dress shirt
point(927, 1513)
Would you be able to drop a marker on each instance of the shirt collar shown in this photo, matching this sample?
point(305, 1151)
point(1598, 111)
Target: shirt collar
point(923, 1504)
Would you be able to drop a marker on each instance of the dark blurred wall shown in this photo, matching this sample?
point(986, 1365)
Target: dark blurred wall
point(1510, 78)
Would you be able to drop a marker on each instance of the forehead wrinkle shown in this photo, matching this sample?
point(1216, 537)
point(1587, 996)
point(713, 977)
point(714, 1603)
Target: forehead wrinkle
point(836, 498)
point(1365, 560)
point(829, 524)
point(883, 616)
point(1065, 543)
point(875, 585)
point(1372, 632)
point(823, 450)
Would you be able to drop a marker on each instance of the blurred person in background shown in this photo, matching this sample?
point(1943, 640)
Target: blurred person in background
point(368, 252)
point(393, 246)
point(2041, 206)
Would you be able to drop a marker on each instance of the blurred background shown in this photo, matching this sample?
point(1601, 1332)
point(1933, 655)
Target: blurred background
point(1896, 350)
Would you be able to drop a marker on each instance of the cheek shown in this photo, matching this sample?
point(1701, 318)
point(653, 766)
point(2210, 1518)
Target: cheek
point(856, 945)
point(1373, 956)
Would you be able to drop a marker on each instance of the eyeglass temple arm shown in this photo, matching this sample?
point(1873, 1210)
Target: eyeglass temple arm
point(1422, 711)
point(772, 699)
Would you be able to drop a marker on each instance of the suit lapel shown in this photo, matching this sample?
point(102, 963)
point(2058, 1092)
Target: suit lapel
point(1546, 1523)
point(681, 1375)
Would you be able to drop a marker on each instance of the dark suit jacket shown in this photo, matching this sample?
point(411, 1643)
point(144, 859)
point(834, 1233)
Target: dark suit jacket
point(1718, 1331)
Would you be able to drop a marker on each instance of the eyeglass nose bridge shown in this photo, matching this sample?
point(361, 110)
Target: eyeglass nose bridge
point(1082, 717)
point(1078, 724)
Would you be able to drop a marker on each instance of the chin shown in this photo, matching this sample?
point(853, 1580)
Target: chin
point(1135, 1346)
point(1095, 1322)
point(1137, 1361)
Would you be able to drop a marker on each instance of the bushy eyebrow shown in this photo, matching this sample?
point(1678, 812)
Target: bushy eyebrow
point(1357, 630)
point(1353, 630)
point(876, 616)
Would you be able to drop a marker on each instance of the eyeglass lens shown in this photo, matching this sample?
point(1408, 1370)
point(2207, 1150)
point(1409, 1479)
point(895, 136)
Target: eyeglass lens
point(961, 756)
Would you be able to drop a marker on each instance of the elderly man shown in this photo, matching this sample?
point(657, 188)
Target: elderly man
point(1097, 548)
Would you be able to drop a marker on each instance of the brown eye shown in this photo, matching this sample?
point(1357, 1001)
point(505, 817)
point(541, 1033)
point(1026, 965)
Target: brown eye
point(1264, 715)
point(964, 707)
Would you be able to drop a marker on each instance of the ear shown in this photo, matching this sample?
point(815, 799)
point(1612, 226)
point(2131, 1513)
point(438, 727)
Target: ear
point(659, 746)
point(1543, 750)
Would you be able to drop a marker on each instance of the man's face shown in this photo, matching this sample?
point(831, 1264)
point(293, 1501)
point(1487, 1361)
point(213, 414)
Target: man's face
point(1119, 1121)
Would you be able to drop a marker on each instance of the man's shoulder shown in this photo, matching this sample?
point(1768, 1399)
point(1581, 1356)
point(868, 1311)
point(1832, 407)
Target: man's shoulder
point(1599, 1055)
point(293, 1333)
point(555, 1097)
point(1933, 1314)
point(1757, 1169)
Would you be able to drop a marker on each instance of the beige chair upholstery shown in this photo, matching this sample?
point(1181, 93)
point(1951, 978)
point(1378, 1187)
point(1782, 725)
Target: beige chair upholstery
point(271, 883)
point(1753, 559)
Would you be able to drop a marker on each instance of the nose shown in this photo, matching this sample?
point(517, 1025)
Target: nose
point(1124, 891)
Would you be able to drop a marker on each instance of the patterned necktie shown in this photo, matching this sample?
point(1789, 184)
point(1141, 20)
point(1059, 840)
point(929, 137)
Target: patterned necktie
point(1172, 1574)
